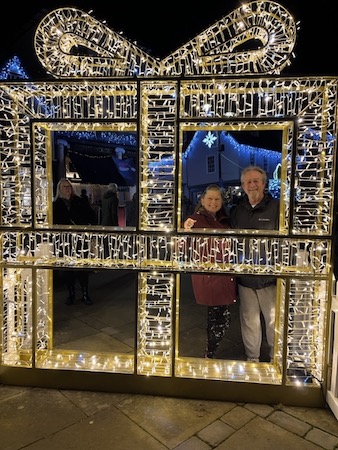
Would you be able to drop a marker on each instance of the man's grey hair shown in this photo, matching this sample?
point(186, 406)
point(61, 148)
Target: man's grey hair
point(257, 169)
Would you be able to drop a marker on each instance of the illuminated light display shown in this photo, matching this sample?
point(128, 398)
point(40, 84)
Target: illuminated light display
point(13, 69)
point(149, 99)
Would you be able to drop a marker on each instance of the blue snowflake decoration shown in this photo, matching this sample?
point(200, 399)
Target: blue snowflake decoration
point(210, 139)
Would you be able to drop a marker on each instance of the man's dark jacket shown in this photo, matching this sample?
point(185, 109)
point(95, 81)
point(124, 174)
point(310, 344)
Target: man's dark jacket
point(110, 206)
point(264, 216)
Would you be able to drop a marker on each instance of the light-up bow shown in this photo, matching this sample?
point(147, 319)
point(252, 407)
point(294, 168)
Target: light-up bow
point(257, 37)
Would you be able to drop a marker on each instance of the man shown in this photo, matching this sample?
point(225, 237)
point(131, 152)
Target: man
point(257, 294)
point(110, 207)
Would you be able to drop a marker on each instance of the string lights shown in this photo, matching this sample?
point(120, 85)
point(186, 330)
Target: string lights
point(158, 111)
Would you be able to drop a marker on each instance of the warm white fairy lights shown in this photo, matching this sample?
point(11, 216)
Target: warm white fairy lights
point(218, 50)
point(158, 111)
point(66, 28)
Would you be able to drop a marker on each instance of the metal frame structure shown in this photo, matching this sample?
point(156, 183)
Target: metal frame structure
point(204, 85)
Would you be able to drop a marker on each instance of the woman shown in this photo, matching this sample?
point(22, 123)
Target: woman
point(71, 209)
point(217, 292)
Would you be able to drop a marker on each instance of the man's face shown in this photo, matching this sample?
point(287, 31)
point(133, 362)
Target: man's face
point(253, 185)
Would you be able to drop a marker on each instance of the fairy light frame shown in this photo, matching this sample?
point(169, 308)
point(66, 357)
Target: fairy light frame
point(159, 111)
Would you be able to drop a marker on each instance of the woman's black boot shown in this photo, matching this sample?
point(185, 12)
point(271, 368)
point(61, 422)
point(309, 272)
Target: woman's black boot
point(84, 278)
point(85, 297)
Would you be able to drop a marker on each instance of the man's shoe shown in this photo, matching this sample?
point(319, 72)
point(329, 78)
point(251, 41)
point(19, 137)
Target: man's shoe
point(256, 360)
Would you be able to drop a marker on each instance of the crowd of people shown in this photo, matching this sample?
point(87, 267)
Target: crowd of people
point(257, 209)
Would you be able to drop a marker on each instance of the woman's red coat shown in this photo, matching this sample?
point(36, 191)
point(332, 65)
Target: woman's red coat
point(211, 289)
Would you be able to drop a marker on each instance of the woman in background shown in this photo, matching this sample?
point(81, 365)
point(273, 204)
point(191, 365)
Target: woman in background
point(71, 209)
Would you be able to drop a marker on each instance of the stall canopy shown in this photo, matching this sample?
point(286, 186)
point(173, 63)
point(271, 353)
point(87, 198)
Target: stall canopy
point(104, 169)
point(99, 157)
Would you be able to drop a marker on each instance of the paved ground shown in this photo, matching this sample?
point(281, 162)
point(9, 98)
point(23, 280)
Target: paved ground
point(109, 324)
point(54, 419)
point(40, 419)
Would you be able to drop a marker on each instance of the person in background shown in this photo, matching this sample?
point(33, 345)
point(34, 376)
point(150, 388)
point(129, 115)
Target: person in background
point(84, 195)
point(70, 209)
point(110, 207)
point(257, 294)
point(216, 292)
point(131, 210)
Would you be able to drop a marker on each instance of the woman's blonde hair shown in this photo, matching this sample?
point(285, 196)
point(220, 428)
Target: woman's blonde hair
point(63, 180)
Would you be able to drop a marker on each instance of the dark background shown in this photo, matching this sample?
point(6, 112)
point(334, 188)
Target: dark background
point(162, 27)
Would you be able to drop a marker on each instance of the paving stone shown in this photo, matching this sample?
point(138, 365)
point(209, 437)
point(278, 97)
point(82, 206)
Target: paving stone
point(108, 429)
point(327, 441)
point(260, 434)
point(260, 410)
point(237, 417)
point(27, 411)
point(215, 433)
point(193, 444)
point(11, 391)
point(93, 402)
point(322, 418)
point(171, 420)
point(289, 423)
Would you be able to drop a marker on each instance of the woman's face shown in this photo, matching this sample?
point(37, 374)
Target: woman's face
point(65, 190)
point(212, 201)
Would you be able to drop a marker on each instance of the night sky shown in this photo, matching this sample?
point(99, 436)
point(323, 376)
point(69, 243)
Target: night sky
point(160, 28)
